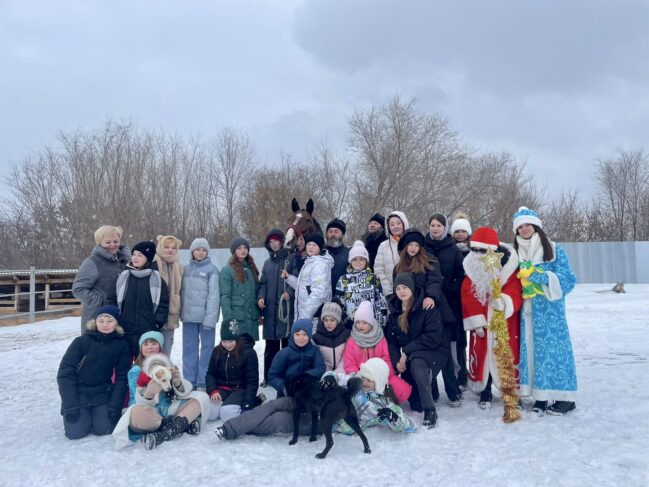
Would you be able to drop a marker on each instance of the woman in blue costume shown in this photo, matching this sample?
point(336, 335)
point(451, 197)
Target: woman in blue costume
point(547, 365)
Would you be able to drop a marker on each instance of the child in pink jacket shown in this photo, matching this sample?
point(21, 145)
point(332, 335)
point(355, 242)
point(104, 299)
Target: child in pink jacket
point(366, 342)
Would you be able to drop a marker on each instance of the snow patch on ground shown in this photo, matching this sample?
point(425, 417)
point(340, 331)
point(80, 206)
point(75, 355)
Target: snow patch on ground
point(604, 442)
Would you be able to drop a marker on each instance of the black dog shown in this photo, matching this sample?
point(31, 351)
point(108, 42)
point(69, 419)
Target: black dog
point(326, 401)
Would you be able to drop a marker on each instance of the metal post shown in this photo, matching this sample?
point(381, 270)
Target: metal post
point(32, 293)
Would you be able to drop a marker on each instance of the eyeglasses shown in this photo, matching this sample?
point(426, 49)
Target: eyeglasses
point(478, 251)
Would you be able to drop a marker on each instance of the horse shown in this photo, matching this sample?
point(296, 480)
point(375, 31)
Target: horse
point(301, 223)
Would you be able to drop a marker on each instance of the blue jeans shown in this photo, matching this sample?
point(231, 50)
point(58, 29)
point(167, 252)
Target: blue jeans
point(195, 365)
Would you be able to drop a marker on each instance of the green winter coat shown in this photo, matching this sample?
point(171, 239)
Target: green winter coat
point(239, 299)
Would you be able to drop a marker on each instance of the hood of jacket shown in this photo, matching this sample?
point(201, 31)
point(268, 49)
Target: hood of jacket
point(325, 258)
point(282, 252)
point(402, 217)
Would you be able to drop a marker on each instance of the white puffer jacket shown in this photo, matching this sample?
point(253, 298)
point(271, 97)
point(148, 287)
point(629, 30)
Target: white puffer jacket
point(387, 256)
point(312, 286)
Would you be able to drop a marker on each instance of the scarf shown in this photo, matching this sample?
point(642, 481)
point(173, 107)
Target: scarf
point(155, 285)
point(367, 340)
point(530, 249)
point(172, 273)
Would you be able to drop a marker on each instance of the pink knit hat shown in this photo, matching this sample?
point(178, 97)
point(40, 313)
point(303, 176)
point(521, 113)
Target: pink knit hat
point(365, 312)
point(358, 250)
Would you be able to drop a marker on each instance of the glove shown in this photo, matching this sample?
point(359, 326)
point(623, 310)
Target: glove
point(114, 414)
point(479, 332)
point(539, 278)
point(72, 416)
point(151, 390)
point(387, 414)
point(328, 382)
point(498, 304)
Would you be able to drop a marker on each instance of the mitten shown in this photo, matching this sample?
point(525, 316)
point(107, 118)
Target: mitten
point(328, 382)
point(539, 278)
point(71, 416)
point(151, 390)
point(387, 414)
point(498, 304)
point(479, 332)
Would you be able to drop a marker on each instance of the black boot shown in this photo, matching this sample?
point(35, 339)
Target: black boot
point(540, 407)
point(194, 427)
point(485, 398)
point(561, 408)
point(430, 418)
point(173, 429)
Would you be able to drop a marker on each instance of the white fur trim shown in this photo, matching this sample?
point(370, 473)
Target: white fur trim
point(552, 290)
point(475, 321)
point(509, 305)
point(512, 264)
point(482, 245)
point(522, 219)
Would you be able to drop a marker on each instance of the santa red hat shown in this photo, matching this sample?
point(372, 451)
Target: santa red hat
point(485, 238)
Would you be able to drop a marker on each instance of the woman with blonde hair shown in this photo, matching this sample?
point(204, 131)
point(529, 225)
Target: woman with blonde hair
point(166, 257)
point(94, 284)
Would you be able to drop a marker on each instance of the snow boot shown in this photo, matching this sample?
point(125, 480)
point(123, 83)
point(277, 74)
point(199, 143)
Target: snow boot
point(561, 408)
point(194, 427)
point(430, 418)
point(173, 429)
point(485, 399)
point(220, 433)
point(540, 407)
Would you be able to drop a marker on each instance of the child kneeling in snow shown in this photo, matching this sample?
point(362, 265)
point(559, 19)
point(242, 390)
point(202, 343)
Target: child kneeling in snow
point(232, 377)
point(90, 402)
point(159, 415)
point(374, 405)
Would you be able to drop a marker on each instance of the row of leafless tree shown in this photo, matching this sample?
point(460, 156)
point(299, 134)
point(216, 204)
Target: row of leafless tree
point(397, 158)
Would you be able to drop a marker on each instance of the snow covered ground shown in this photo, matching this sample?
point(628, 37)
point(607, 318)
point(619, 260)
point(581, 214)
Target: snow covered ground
point(604, 442)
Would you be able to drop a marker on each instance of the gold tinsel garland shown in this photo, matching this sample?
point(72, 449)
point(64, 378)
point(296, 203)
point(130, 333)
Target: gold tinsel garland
point(504, 355)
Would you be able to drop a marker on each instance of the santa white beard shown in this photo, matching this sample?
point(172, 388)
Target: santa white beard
point(480, 279)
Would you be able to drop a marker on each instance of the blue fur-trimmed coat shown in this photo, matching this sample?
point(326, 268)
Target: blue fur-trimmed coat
point(547, 364)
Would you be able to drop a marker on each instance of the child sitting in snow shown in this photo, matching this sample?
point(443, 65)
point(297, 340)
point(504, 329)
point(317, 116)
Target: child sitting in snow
point(158, 415)
point(360, 284)
point(367, 341)
point(90, 402)
point(331, 337)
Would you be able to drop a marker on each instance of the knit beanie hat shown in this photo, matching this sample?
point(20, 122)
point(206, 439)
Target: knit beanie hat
point(316, 238)
point(405, 279)
point(152, 335)
point(365, 312)
point(378, 218)
point(146, 248)
point(410, 235)
point(358, 250)
point(332, 310)
point(230, 329)
point(376, 370)
point(337, 223)
point(108, 310)
point(236, 241)
point(461, 224)
point(199, 243)
point(302, 324)
point(525, 215)
point(485, 238)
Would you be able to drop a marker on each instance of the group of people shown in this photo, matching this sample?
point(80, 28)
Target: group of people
point(392, 310)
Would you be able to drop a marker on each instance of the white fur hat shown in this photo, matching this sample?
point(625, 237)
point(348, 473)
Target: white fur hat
point(376, 369)
point(461, 224)
point(358, 250)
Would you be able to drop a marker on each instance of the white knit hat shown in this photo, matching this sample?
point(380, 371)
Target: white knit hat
point(376, 370)
point(358, 250)
point(365, 312)
point(461, 224)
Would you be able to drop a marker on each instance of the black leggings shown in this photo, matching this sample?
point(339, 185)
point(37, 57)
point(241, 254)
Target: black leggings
point(271, 349)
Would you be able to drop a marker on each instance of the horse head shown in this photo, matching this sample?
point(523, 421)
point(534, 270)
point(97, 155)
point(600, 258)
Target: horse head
point(300, 223)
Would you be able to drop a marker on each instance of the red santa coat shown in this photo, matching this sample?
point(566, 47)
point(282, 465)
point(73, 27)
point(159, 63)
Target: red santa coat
point(482, 360)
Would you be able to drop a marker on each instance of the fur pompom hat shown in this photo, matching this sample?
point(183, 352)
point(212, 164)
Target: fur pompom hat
point(376, 370)
point(525, 215)
point(358, 250)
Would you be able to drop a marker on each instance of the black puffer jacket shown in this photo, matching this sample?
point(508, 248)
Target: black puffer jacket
point(426, 338)
point(450, 264)
point(271, 288)
point(372, 242)
point(86, 370)
point(227, 372)
point(340, 256)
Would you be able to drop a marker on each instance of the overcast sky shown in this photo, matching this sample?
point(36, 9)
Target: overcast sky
point(559, 84)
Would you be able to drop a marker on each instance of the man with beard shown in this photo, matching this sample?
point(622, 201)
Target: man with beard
point(478, 306)
point(374, 236)
point(335, 235)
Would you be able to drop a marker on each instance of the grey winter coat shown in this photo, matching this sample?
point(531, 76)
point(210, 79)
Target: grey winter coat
point(199, 293)
point(271, 288)
point(95, 283)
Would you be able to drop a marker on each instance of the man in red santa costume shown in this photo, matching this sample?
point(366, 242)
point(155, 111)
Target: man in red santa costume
point(478, 307)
